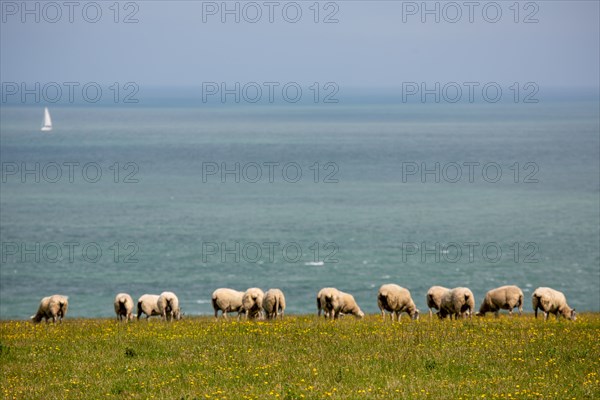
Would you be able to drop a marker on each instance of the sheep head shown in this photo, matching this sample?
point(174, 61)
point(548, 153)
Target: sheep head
point(415, 315)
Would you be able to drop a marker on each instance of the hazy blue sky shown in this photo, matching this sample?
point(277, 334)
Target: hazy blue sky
point(370, 46)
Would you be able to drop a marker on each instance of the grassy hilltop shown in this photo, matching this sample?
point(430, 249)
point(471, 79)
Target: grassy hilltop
point(302, 357)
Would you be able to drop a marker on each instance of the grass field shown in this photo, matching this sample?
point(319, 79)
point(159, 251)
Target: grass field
point(303, 357)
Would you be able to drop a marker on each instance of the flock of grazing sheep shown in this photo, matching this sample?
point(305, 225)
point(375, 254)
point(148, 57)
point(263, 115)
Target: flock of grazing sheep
point(331, 301)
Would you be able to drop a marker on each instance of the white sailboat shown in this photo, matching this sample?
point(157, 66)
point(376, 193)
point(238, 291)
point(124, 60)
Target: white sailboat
point(47, 121)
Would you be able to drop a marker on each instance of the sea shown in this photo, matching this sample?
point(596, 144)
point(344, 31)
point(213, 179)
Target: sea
point(184, 197)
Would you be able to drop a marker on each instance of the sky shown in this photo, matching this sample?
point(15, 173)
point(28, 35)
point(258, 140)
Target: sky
point(373, 44)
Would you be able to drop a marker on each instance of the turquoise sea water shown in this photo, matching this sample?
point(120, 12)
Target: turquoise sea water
point(177, 229)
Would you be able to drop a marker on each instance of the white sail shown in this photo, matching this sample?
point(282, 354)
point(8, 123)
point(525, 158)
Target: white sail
point(47, 121)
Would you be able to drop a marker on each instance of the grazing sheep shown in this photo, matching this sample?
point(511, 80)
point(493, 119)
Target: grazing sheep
point(148, 304)
point(227, 300)
point(324, 301)
point(396, 300)
point(124, 307)
point(434, 297)
point(336, 302)
point(274, 303)
point(168, 306)
point(457, 301)
point(252, 302)
point(502, 298)
point(51, 307)
point(346, 304)
point(552, 301)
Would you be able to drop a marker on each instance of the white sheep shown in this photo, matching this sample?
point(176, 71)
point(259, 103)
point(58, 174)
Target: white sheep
point(252, 302)
point(552, 301)
point(434, 297)
point(124, 307)
point(227, 300)
point(54, 307)
point(148, 304)
point(325, 300)
point(396, 300)
point(168, 306)
point(502, 298)
point(335, 302)
point(347, 305)
point(274, 303)
point(457, 301)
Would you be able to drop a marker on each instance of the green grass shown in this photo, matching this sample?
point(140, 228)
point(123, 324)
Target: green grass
point(302, 357)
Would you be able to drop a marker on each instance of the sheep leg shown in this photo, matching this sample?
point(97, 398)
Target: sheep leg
point(318, 307)
point(497, 313)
